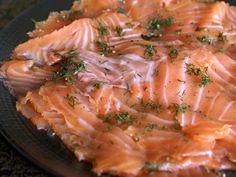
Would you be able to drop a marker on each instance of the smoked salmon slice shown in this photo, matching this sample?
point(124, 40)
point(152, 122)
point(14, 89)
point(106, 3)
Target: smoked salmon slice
point(22, 76)
point(80, 9)
point(81, 34)
point(137, 88)
point(152, 130)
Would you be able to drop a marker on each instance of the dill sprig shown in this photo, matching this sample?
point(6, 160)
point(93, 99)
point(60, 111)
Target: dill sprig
point(192, 70)
point(119, 31)
point(122, 118)
point(150, 51)
point(150, 127)
point(222, 37)
point(173, 53)
point(206, 39)
point(68, 70)
point(103, 30)
point(181, 108)
point(155, 24)
point(151, 105)
point(72, 100)
point(103, 47)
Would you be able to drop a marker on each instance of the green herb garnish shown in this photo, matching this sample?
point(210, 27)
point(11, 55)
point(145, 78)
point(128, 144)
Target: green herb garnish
point(130, 25)
point(206, 39)
point(198, 29)
point(73, 53)
point(150, 127)
point(192, 70)
point(103, 30)
point(205, 80)
point(173, 53)
point(72, 100)
point(150, 166)
point(108, 128)
point(97, 85)
point(104, 48)
point(178, 31)
point(151, 105)
point(34, 22)
point(108, 118)
point(119, 31)
point(68, 70)
point(122, 118)
point(168, 21)
point(155, 25)
point(150, 51)
point(181, 108)
point(222, 37)
point(121, 10)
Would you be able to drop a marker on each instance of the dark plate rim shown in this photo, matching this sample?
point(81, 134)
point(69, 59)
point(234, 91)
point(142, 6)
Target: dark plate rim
point(5, 135)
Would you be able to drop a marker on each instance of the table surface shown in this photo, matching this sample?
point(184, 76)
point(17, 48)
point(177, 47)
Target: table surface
point(12, 164)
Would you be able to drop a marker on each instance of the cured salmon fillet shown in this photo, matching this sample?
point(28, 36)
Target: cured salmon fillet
point(21, 75)
point(192, 150)
point(81, 34)
point(93, 8)
point(82, 8)
point(142, 10)
point(146, 91)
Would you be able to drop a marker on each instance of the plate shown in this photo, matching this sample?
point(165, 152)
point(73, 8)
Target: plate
point(42, 149)
point(46, 151)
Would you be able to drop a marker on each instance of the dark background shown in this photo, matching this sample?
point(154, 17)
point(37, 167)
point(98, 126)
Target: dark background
point(12, 164)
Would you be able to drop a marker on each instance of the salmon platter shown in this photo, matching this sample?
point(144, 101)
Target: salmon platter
point(137, 88)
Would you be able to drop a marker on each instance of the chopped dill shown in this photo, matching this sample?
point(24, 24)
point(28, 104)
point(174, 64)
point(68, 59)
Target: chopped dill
point(192, 70)
point(129, 24)
point(121, 10)
point(72, 100)
point(150, 51)
point(150, 127)
point(108, 128)
point(205, 80)
point(104, 48)
point(102, 29)
point(68, 70)
point(108, 118)
point(151, 105)
point(222, 37)
point(151, 166)
point(34, 22)
point(156, 24)
point(97, 85)
point(119, 31)
point(198, 29)
point(181, 108)
point(173, 53)
point(178, 31)
point(206, 39)
point(122, 118)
